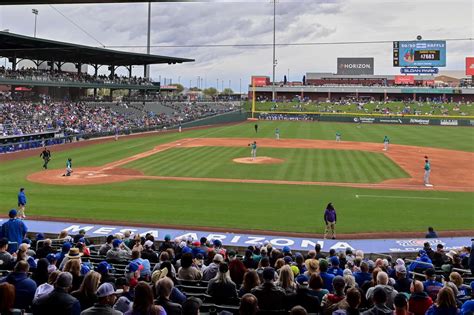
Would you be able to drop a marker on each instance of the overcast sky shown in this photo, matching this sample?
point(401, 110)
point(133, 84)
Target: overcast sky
point(251, 22)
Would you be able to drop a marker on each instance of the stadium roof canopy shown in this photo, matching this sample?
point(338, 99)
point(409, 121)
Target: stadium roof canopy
point(25, 47)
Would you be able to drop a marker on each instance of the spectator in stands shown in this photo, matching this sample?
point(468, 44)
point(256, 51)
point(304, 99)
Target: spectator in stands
point(188, 271)
point(286, 280)
point(143, 303)
point(86, 294)
point(163, 291)
point(191, 306)
point(248, 260)
point(269, 296)
point(421, 263)
point(471, 258)
point(149, 253)
point(350, 306)
point(221, 287)
point(64, 251)
point(431, 233)
point(14, 230)
point(106, 297)
point(402, 282)
point(312, 267)
point(40, 273)
point(463, 289)
point(24, 287)
point(330, 218)
point(445, 303)
point(335, 270)
point(211, 270)
point(47, 287)
point(236, 268)
point(6, 259)
point(7, 298)
point(427, 248)
point(401, 304)
point(419, 301)
point(316, 286)
point(382, 282)
point(45, 249)
point(468, 306)
point(119, 252)
point(103, 269)
point(59, 299)
point(298, 310)
point(330, 301)
point(439, 257)
point(79, 236)
point(248, 305)
point(304, 297)
point(432, 287)
point(251, 280)
point(73, 266)
point(132, 273)
point(379, 299)
point(146, 272)
point(104, 248)
point(176, 295)
point(319, 255)
point(327, 277)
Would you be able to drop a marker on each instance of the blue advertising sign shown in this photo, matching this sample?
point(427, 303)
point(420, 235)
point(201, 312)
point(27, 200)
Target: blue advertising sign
point(419, 70)
point(420, 53)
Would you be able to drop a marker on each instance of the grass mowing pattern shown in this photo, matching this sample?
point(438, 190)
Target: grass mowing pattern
point(299, 164)
point(247, 206)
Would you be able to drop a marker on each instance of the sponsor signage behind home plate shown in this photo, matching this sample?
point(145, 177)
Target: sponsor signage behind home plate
point(376, 246)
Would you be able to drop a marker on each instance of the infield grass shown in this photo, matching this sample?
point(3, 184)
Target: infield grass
point(243, 205)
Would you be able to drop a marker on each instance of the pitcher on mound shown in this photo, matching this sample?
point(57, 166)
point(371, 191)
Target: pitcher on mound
point(253, 152)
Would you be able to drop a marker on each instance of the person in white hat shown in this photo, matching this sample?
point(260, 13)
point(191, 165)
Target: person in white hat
point(106, 296)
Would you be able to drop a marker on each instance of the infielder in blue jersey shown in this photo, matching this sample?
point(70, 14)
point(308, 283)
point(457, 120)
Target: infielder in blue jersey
point(386, 142)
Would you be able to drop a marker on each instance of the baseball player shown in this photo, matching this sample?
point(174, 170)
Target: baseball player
point(253, 152)
point(179, 127)
point(68, 167)
point(426, 177)
point(338, 136)
point(256, 128)
point(116, 133)
point(21, 203)
point(277, 133)
point(46, 156)
point(386, 142)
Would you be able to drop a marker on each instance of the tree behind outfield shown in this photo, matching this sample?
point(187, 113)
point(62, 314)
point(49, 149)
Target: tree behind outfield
point(227, 91)
point(210, 91)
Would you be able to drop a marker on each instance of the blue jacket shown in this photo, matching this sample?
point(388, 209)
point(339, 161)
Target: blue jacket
point(327, 279)
point(14, 230)
point(423, 262)
point(362, 277)
point(24, 288)
point(21, 198)
point(336, 271)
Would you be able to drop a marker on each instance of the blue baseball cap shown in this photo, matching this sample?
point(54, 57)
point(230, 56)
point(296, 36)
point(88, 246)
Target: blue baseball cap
point(302, 279)
point(286, 249)
point(217, 243)
point(334, 260)
point(288, 260)
point(167, 237)
point(51, 258)
point(12, 213)
point(103, 267)
point(133, 266)
point(116, 243)
point(39, 236)
point(66, 247)
point(26, 241)
point(186, 250)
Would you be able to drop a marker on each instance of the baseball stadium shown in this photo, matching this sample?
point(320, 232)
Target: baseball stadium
point(185, 193)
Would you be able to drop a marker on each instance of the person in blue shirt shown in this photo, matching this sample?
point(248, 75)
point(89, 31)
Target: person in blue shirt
point(21, 203)
point(327, 277)
point(432, 287)
point(468, 306)
point(335, 270)
point(364, 275)
point(421, 263)
point(426, 177)
point(431, 233)
point(14, 230)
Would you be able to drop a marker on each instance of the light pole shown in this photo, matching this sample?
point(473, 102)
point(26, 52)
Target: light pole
point(288, 76)
point(274, 60)
point(35, 12)
point(217, 84)
point(148, 39)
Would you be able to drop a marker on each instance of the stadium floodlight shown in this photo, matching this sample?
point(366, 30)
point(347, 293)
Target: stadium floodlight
point(35, 12)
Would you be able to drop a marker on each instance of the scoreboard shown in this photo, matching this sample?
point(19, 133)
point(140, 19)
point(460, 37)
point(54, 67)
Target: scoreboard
point(420, 53)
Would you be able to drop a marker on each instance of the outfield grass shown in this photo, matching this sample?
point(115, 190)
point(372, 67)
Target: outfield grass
point(450, 109)
point(247, 206)
point(298, 165)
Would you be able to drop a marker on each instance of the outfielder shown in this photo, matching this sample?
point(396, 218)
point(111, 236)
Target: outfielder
point(277, 133)
point(68, 167)
point(46, 155)
point(338, 136)
point(386, 142)
point(426, 177)
point(253, 152)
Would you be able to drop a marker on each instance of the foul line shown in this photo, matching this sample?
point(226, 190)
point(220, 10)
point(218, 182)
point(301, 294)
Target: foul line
point(401, 197)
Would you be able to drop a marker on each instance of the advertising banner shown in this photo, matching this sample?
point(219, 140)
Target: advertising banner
point(355, 66)
point(404, 79)
point(260, 81)
point(469, 65)
point(420, 53)
point(419, 70)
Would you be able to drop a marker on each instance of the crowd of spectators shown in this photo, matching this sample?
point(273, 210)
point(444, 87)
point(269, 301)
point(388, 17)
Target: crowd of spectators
point(62, 76)
point(136, 274)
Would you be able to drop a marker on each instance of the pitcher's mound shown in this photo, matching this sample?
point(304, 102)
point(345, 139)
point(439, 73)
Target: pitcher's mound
point(258, 160)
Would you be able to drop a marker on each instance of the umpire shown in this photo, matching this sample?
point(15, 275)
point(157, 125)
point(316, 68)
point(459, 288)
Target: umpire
point(46, 155)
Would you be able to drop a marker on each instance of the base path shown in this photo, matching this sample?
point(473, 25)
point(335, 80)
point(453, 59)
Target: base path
point(452, 170)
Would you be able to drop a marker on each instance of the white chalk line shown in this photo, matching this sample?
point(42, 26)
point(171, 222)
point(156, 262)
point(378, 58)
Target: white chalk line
point(401, 197)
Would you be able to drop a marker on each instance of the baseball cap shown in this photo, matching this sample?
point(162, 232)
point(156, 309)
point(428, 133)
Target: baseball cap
point(232, 253)
point(334, 260)
point(400, 262)
point(149, 244)
point(217, 243)
point(302, 279)
point(191, 305)
point(268, 273)
point(186, 250)
point(472, 285)
point(286, 249)
point(295, 270)
point(422, 252)
point(133, 266)
point(39, 236)
point(430, 272)
point(167, 237)
point(103, 267)
point(288, 260)
point(107, 289)
point(116, 243)
point(66, 247)
point(218, 258)
point(51, 257)
point(123, 304)
point(12, 213)
point(401, 269)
